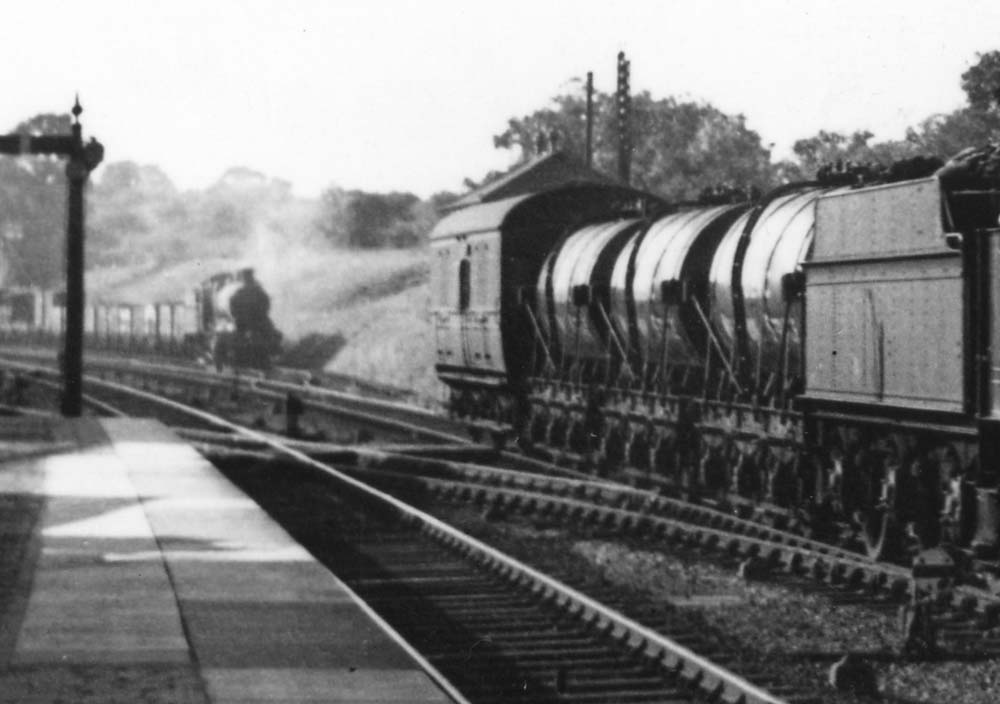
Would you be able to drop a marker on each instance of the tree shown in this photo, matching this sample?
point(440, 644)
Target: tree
point(47, 169)
point(832, 147)
point(974, 125)
point(679, 148)
point(127, 179)
point(331, 222)
point(134, 210)
point(981, 82)
point(381, 220)
point(946, 135)
point(566, 119)
point(230, 211)
point(941, 136)
point(827, 147)
point(32, 208)
point(442, 199)
point(374, 220)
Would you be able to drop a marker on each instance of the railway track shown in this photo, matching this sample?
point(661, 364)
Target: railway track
point(501, 631)
point(201, 387)
point(572, 496)
point(494, 628)
point(966, 617)
point(331, 410)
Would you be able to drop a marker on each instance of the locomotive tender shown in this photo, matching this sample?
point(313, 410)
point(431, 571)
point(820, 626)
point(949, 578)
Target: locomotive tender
point(826, 357)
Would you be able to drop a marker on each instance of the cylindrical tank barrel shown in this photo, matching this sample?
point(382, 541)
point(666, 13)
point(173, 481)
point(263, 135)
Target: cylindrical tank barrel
point(672, 256)
point(577, 288)
point(750, 282)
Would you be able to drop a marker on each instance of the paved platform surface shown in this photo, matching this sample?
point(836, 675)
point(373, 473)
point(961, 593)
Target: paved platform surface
point(132, 571)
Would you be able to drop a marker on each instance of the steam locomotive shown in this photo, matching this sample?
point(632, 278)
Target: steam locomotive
point(223, 321)
point(234, 321)
point(824, 358)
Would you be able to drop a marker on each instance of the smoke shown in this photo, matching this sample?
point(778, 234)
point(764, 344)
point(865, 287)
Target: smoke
point(282, 249)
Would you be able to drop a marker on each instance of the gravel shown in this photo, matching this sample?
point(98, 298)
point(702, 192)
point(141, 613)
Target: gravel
point(796, 626)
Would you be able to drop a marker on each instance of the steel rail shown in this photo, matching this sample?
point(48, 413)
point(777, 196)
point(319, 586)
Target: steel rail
point(794, 557)
point(706, 525)
point(611, 493)
point(626, 506)
point(212, 419)
point(89, 401)
point(707, 675)
point(965, 597)
point(376, 412)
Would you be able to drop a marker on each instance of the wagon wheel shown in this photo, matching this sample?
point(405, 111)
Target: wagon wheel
point(538, 426)
point(615, 447)
point(928, 500)
point(881, 529)
point(665, 457)
point(882, 533)
point(579, 439)
point(639, 450)
point(558, 431)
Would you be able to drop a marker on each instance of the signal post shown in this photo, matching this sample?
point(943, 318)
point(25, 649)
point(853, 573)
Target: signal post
point(82, 159)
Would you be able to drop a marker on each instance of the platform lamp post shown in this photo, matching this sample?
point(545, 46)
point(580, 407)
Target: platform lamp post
point(82, 159)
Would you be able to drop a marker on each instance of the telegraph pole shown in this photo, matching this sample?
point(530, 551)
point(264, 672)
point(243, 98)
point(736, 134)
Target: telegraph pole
point(590, 119)
point(82, 159)
point(623, 99)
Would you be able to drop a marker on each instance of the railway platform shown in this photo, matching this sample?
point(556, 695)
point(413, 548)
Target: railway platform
point(131, 570)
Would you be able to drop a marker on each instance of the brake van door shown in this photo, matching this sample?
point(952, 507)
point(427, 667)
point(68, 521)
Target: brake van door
point(481, 319)
point(445, 303)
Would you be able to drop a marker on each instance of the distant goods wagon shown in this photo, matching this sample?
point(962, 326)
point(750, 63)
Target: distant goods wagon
point(225, 321)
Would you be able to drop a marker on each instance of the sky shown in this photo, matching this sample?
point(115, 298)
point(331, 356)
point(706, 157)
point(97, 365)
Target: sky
point(392, 95)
